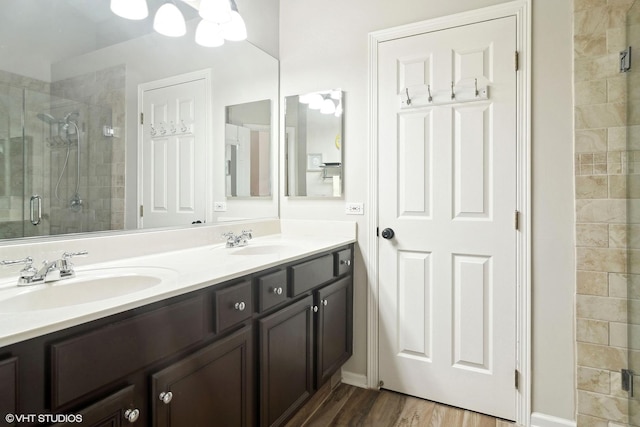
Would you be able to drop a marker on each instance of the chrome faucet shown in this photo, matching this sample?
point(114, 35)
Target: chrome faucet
point(50, 271)
point(236, 240)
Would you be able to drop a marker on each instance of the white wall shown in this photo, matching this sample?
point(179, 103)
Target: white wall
point(324, 45)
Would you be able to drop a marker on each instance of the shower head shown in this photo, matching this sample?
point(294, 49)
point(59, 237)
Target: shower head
point(70, 116)
point(47, 118)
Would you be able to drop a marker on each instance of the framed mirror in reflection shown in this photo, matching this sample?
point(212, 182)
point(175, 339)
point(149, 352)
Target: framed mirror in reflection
point(70, 111)
point(314, 128)
point(248, 150)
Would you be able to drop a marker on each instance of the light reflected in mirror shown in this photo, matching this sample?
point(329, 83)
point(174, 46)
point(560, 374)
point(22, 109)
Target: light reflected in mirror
point(69, 113)
point(248, 149)
point(314, 129)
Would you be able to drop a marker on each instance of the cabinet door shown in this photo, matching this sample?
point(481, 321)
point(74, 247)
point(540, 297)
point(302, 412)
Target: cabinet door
point(114, 411)
point(9, 389)
point(286, 361)
point(211, 387)
point(334, 328)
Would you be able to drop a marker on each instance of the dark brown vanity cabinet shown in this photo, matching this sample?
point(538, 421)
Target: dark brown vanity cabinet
point(213, 384)
point(305, 343)
point(192, 360)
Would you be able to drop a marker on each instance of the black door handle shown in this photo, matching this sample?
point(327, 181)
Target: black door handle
point(388, 233)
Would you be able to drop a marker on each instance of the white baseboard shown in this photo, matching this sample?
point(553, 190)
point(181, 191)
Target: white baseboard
point(356, 380)
point(542, 420)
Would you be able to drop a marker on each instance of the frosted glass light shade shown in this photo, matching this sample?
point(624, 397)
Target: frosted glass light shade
point(328, 107)
point(130, 9)
point(315, 101)
point(209, 34)
point(235, 30)
point(169, 21)
point(218, 11)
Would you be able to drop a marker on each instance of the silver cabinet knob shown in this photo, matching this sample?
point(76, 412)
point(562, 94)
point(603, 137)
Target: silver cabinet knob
point(240, 306)
point(166, 397)
point(346, 262)
point(278, 290)
point(131, 415)
point(324, 302)
point(314, 308)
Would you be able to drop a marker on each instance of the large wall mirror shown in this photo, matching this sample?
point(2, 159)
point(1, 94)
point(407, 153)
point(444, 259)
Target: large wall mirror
point(313, 142)
point(70, 113)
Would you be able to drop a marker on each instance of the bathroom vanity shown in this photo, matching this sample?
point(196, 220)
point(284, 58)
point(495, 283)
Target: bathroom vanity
point(247, 350)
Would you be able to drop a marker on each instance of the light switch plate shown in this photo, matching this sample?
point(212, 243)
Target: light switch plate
point(219, 206)
point(354, 209)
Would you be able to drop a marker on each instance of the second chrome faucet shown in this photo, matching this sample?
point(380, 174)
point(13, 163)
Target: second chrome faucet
point(237, 240)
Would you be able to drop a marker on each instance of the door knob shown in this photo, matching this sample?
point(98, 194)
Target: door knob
point(388, 233)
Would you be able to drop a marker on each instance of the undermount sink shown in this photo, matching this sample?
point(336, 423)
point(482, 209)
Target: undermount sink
point(88, 286)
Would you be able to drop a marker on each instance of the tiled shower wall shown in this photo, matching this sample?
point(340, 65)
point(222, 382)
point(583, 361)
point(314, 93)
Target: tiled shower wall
point(607, 171)
point(104, 184)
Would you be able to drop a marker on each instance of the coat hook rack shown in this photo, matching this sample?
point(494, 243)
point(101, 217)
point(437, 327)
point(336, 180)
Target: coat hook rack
point(424, 96)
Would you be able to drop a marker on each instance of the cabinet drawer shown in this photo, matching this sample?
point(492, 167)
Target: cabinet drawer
point(232, 305)
point(110, 411)
point(271, 290)
point(84, 363)
point(343, 262)
point(310, 274)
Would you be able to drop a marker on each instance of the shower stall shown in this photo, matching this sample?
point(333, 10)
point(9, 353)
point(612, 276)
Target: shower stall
point(55, 164)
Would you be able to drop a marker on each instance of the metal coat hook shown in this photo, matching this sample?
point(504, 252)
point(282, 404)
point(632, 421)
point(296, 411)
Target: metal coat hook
point(430, 96)
point(408, 97)
point(183, 128)
point(162, 129)
point(173, 128)
point(477, 93)
point(153, 131)
point(453, 94)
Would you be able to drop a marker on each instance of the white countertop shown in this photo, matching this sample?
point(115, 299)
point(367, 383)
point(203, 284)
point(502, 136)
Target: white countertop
point(186, 270)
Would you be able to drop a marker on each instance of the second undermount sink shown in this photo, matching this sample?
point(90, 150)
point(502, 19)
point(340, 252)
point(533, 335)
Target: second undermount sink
point(262, 249)
point(88, 286)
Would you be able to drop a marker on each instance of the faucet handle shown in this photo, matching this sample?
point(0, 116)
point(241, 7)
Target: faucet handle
point(28, 261)
point(68, 255)
point(28, 272)
point(247, 233)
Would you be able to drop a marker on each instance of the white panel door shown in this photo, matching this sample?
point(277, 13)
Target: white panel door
point(447, 180)
point(174, 155)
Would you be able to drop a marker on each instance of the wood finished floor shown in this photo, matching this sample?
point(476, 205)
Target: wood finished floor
point(352, 406)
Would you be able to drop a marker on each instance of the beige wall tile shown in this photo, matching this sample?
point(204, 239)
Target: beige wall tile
point(596, 380)
point(593, 235)
point(601, 308)
point(592, 187)
point(592, 140)
point(601, 259)
point(618, 186)
point(593, 283)
point(600, 115)
point(587, 421)
point(596, 68)
point(616, 39)
point(609, 211)
point(592, 331)
point(618, 236)
point(617, 138)
point(591, 21)
point(585, 46)
point(591, 92)
point(599, 405)
point(618, 334)
point(617, 89)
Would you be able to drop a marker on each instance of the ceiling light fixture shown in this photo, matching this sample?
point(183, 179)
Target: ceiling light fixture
point(130, 9)
point(209, 34)
point(169, 21)
point(234, 30)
